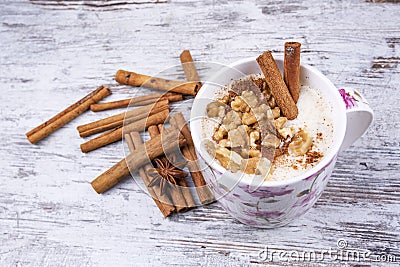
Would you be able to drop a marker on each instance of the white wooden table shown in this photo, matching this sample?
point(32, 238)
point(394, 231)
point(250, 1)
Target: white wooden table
point(54, 52)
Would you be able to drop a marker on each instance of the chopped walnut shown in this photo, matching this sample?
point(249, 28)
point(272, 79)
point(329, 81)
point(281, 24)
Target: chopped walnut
point(231, 120)
point(276, 112)
point(261, 112)
point(225, 143)
point(271, 140)
point(223, 155)
point(224, 99)
point(215, 109)
point(245, 153)
point(248, 118)
point(228, 159)
point(249, 165)
point(250, 98)
point(279, 122)
point(286, 132)
point(301, 143)
point(239, 105)
point(255, 166)
point(254, 136)
point(236, 160)
point(220, 133)
point(238, 136)
point(250, 153)
point(253, 153)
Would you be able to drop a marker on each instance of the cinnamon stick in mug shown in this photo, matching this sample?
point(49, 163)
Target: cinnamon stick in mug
point(291, 68)
point(67, 115)
point(116, 134)
point(136, 101)
point(137, 79)
point(277, 85)
point(153, 148)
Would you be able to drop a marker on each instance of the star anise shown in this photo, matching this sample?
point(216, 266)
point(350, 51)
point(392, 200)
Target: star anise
point(166, 171)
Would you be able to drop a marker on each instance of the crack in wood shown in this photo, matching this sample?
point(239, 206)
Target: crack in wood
point(392, 41)
point(279, 9)
point(94, 3)
point(385, 63)
point(383, 1)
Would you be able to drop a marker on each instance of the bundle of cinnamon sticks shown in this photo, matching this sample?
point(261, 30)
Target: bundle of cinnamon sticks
point(150, 112)
point(178, 197)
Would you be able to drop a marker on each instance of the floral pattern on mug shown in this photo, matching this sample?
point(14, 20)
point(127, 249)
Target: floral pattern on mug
point(348, 99)
point(269, 206)
point(266, 191)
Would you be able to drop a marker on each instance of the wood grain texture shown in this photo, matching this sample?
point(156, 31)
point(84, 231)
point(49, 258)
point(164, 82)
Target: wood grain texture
point(53, 52)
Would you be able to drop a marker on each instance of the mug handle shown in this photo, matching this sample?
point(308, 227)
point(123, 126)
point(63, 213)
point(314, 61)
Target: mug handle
point(359, 116)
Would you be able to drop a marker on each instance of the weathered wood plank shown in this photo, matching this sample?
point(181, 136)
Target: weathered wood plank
point(54, 52)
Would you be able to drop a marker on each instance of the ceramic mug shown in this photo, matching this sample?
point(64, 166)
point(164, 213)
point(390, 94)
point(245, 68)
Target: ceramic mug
point(277, 203)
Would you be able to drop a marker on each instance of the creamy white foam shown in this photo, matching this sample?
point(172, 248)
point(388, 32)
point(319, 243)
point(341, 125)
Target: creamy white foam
point(315, 115)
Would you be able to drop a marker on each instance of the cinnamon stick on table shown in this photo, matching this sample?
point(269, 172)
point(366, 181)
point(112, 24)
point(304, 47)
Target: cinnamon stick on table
point(291, 68)
point(177, 197)
point(189, 67)
point(122, 118)
point(116, 134)
point(278, 87)
point(67, 115)
point(136, 79)
point(155, 147)
point(134, 141)
point(191, 74)
point(136, 101)
point(203, 190)
point(184, 186)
